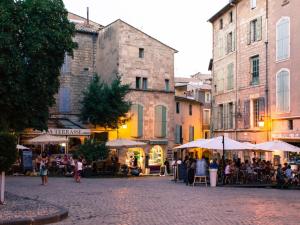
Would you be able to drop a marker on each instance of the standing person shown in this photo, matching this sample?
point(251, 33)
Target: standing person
point(44, 169)
point(79, 167)
point(167, 167)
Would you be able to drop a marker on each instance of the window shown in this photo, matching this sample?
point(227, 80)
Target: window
point(206, 116)
point(156, 155)
point(137, 120)
point(138, 83)
point(167, 84)
point(230, 43)
point(64, 100)
point(253, 4)
point(160, 127)
point(230, 17)
point(177, 107)
point(221, 24)
point(283, 38)
point(191, 133)
point(141, 53)
point(145, 83)
point(230, 76)
point(254, 70)
point(283, 91)
point(258, 110)
point(207, 97)
point(255, 30)
point(190, 109)
point(66, 65)
point(178, 134)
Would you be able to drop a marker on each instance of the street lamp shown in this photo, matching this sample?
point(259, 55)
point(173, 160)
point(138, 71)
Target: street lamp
point(261, 122)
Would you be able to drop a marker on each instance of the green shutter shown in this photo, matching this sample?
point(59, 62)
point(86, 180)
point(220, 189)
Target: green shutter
point(158, 120)
point(177, 134)
point(140, 120)
point(164, 122)
point(259, 29)
point(134, 121)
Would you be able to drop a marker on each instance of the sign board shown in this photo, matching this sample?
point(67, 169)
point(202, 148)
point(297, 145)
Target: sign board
point(286, 135)
point(26, 160)
point(158, 142)
point(201, 168)
point(69, 132)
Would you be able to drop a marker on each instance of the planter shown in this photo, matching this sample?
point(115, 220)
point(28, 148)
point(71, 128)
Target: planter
point(213, 177)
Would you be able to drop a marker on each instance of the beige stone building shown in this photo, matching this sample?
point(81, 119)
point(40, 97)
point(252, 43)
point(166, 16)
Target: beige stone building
point(239, 70)
point(192, 108)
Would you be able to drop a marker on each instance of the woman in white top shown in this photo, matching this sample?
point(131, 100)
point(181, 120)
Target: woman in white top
point(79, 167)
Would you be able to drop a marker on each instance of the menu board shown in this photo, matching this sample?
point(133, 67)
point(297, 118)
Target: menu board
point(26, 160)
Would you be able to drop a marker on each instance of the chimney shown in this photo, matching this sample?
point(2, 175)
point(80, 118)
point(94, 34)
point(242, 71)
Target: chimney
point(87, 16)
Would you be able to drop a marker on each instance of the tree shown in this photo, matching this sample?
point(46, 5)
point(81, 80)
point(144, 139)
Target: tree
point(104, 104)
point(8, 155)
point(34, 37)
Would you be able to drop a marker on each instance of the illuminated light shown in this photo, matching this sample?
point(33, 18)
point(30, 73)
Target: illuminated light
point(63, 144)
point(261, 123)
point(124, 126)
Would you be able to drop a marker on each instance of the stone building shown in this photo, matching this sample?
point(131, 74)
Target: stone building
point(192, 107)
point(148, 66)
point(239, 70)
point(284, 67)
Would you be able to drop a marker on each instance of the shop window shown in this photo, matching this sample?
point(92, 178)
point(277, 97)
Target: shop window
point(156, 156)
point(136, 120)
point(160, 121)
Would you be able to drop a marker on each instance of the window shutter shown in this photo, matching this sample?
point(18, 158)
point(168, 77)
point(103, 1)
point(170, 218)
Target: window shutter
point(177, 134)
point(247, 114)
point(233, 41)
point(191, 133)
point(249, 33)
point(64, 100)
point(134, 121)
point(259, 28)
point(140, 120)
point(227, 43)
point(164, 122)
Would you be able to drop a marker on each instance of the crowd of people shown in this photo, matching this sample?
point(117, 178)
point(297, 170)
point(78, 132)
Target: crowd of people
point(67, 165)
point(238, 172)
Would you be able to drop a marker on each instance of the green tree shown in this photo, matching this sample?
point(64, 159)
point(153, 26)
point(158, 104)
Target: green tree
point(105, 105)
point(92, 151)
point(34, 37)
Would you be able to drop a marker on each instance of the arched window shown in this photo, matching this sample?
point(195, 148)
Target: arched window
point(283, 38)
point(160, 127)
point(137, 120)
point(283, 91)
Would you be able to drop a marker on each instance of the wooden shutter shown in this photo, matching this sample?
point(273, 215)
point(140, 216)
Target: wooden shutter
point(134, 121)
point(177, 134)
point(247, 114)
point(164, 122)
point(259, 28)
point(249, 33)
point(233, 41)
point(140, 120)
point(191, 133)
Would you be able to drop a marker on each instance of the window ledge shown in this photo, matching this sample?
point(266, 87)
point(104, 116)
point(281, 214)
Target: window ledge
point(282, 60)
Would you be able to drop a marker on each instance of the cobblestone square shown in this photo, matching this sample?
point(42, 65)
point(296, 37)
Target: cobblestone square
point(157, 200)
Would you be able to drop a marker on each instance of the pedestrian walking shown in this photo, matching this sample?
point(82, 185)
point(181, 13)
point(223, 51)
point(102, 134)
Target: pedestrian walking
point(79, 168)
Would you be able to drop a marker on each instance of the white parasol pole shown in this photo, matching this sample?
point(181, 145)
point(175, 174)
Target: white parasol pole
point(2, 187)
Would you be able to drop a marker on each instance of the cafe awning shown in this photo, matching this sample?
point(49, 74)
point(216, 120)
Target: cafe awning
point(277, 145)
point(124, 143)
point(47, 139)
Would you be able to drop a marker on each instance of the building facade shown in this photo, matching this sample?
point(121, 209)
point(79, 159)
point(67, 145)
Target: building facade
point(284, 67)
point(239, 70)
point(147, 65)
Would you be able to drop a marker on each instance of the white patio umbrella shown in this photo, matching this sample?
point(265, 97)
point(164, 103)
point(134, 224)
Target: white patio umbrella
point(124, 143)
point(47, 139)
point(228, 144)
point(193, 144)
point(277, 145)
point(21, 147)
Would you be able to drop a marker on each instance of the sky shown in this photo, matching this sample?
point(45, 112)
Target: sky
point(181, 24)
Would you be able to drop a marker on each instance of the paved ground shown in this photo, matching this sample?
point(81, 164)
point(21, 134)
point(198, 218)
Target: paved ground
point(156, 200)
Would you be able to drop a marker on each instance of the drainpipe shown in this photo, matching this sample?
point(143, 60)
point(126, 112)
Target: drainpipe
point(236, 73)
point(268, 124)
